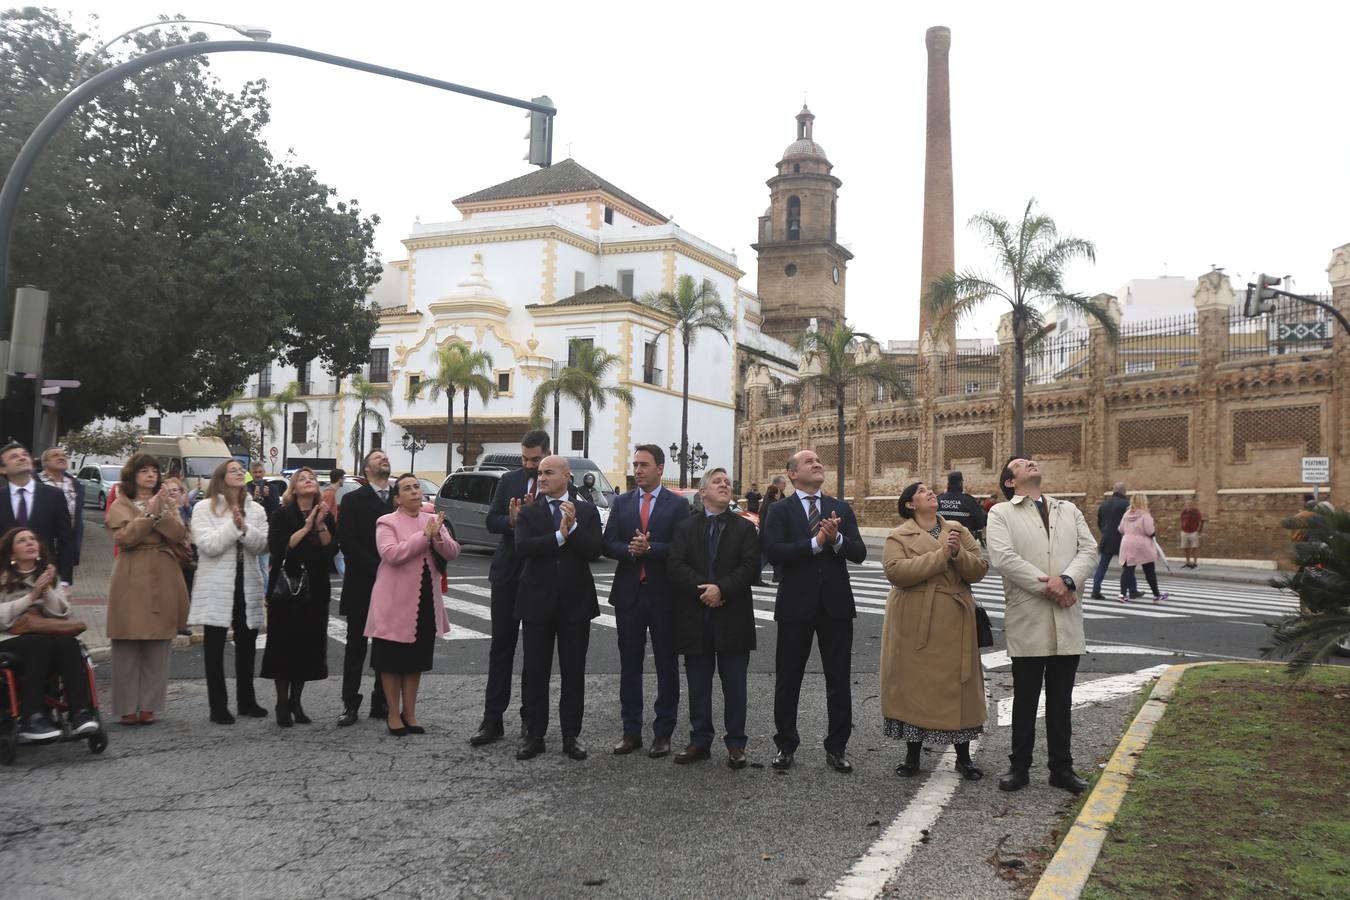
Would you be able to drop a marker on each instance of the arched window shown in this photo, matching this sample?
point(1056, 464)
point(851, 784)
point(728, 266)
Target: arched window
point(794, 218)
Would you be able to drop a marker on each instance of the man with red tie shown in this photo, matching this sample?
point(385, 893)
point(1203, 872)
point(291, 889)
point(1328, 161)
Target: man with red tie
point(639, 533)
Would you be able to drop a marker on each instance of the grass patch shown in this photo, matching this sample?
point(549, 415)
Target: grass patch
point(1243, 792)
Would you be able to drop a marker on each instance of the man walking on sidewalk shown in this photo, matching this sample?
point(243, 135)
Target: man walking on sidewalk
point(1109, 514)
point(1043, 549)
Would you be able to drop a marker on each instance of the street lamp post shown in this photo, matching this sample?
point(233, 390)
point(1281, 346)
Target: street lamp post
point(697, 459)
point(414, 444)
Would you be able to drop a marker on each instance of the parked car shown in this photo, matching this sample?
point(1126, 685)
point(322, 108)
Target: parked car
point(696, 504)
point(581, 466)
point(98, 481)
point(466, 495)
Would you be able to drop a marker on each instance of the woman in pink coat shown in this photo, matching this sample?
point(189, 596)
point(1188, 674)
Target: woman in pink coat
point(1137, 548)
point(406, 613)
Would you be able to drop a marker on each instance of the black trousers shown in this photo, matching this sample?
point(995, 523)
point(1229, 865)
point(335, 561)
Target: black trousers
point(572, 640)
point(502, 653)
point(1057, 672)
point(1150, 575)
point(732, 668)
point(43, 654)
point(245, 646)
point(354, 660)
point(835, 639)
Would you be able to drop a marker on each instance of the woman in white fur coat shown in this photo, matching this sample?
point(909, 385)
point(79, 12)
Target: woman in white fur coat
point(230, 531)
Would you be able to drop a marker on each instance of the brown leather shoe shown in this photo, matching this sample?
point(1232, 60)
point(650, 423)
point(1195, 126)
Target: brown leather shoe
point(736, 758)
point(628, 745)
point(692, 754)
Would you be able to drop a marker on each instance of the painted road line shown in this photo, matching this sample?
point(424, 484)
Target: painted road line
point(1091, 691)
point(337, 630)
point(999, 658)
point(480, 591)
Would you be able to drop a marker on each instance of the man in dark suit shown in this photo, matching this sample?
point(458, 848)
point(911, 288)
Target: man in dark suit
point(55, 473)
point(714, 559)
point(514, 491)
point(1109, 514)
point(41, 508)
point(638, 535)
point(356, 534)
point(558, 537)
point(813, 538)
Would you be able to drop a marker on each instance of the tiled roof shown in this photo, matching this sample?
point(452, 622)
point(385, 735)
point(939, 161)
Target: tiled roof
point(567, 177)
point(601, 293)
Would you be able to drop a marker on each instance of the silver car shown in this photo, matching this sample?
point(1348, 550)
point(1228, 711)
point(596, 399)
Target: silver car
point(98, 481)
point(466, 496)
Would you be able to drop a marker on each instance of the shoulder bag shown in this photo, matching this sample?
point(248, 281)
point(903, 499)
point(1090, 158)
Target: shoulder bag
point(984, 632)
point(34, 621)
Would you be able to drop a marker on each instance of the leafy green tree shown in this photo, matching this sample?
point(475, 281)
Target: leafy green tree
point(368, 396)
point(1322, 581)
point(1031, 256)
point(840, 359)
point(178, 252)
point(116, 441)
point(282, 401)
point(694, 306)
point(584, 384)
point(457, 369)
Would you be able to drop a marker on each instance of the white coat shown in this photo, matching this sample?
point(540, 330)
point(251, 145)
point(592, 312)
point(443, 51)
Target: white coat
point(1022, 551)
point(213, 587)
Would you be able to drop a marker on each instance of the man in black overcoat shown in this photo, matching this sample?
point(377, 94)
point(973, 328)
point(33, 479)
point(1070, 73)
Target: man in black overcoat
point(356, 534)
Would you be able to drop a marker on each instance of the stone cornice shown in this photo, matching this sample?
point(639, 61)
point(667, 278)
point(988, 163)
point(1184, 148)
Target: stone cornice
point(546, 200)
point(504, 235)
point(658, 245)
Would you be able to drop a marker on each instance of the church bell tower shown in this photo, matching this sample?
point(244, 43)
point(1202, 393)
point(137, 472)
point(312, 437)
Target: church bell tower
point(802, 266)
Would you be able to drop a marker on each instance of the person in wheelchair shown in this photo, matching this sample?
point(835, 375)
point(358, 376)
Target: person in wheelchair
point(28, 581)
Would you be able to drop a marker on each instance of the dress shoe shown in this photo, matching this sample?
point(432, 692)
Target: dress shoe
point(969, 771)
point(692, 753)
point(660, 747)
point(907, 769)
point(298, 713)
point(1067, 780)
point(284, 715)
point(782, 760)
point(530, 748)
point(415, 729)
point(400, 731)
point(222, 717)
point(1096, 595)
point(574, 748)
point(487, 733)
point(1014, 780)
point(627, 745)
point(252, 710)
point(839, 763)
point(736, 758)
point(349, 716)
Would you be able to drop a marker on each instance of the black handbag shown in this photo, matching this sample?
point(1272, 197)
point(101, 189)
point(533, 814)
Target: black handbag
point(291, 590)
point(984, 632)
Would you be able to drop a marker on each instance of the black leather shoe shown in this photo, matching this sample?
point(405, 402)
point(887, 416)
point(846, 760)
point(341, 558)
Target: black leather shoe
point(736, 758)
point(298, 713)
point(782, 760)
point(1068, 780)
point(252, 710)
point(349, 716)
point(627, 745)
point(284, 715)
point(907, 769)
point(969, 771)
point(415, 729)
point(1096, 595)
point(222, 717)
point(839, 763)
point(487, 733)
point(691, 754)
point(660, 747)
point(1014, 780)
point(400, 731)
point(574, 748)
point(530, 748)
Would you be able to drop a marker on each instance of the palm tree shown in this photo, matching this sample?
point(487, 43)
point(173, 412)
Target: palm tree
point(458, 369)
point(1322, 581)
point(692, 306)
point(584, 383)
point(367, 394)
point(842, 358)
point(1033, 257)
point(281, 402)
point(264, 416)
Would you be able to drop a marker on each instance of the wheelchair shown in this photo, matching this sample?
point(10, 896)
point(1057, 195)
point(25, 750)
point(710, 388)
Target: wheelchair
point(11, 669)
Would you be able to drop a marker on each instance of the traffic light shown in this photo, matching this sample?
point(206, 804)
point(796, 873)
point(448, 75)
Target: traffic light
point(1260, 296)
point(540, 135)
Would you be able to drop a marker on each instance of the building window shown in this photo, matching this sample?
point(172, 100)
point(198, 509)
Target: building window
point(299, 426)
point(650, 373)
point(578, 282)
point(379, 365)
point(414, 385)
point(302, 376)
point(376, 440)
point(265, 383)
point(578, 440)
point(796, 168)
point(1140, 365)
point(503, 382)
point(572, 348)
point(794, 218)
point(791, 270)
point(626, 282)
point(154, 425)
point(609, 215)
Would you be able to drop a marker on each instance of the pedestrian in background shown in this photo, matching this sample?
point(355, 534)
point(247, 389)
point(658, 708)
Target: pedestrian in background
point(185, 551)
point(772, 493)
point(262, 492)
point(1109, 514)
point(301, 541)
point(230, 530)
point(955, 505)
point(1138, 548)
point(56, 473)
point(336, 479)
point(147, 597)
point(1192, 523)
point(932, 680)
point(753, 498)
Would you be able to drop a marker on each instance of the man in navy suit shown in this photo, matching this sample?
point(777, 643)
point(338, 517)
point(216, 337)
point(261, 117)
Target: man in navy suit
point(639, 533)
point(813, 538)
point(41, 508)
point(514, 490)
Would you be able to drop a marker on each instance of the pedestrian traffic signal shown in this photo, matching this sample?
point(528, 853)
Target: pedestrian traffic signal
point(1261, 296)
point(540, 135)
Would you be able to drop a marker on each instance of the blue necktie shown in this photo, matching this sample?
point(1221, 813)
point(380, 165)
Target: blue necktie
point(557, 514)
point(22, 517)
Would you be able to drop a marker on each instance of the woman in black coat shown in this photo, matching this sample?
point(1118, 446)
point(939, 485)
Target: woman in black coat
point(302, 541)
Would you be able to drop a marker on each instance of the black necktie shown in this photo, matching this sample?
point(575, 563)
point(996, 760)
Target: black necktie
point(812, 515)
point(713, 523)
point(557, 514)
point(22, 516)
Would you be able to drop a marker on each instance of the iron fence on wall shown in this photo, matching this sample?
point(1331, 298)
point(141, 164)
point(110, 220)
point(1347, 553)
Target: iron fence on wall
point(1291, 327)
point(1061, 357)
point(1158, 345)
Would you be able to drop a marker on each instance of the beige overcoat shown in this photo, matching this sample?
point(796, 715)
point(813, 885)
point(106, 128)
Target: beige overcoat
point(1023, 550)
point(147, 599)
point(931, 674)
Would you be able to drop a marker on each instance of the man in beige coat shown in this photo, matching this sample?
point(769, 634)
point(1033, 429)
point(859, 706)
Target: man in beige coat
point(1044, 551)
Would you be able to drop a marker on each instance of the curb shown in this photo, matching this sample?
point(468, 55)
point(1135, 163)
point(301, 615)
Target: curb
point(1068, 872)
point(103, 652)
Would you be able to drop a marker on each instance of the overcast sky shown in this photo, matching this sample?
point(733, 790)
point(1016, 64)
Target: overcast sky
point(1175, 136)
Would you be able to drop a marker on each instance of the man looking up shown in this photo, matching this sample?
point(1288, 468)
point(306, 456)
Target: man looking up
point(359, 512)
point(41, 508)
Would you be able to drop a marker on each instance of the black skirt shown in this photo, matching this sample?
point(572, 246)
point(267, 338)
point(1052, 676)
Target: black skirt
point(398, 658)
point(297, 640)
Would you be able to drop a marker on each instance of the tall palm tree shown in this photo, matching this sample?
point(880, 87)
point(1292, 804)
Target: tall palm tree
point(458, 369)
point(1032, 256)
point(264, 416)
point(584, 383)
point(693, 306)
point(842, 359)
point(368, 395)
point(281, 402)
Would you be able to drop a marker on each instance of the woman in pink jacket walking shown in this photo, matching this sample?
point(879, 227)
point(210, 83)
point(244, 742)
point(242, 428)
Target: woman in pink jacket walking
point(406, 612)
point(1137, 548)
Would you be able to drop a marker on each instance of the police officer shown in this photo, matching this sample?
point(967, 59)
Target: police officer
point(957, 506)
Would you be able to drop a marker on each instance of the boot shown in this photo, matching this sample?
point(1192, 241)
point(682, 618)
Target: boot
point(297, 711)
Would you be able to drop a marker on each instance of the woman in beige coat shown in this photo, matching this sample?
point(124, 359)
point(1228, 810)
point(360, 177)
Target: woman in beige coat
point(147, 598)
point(932, 682)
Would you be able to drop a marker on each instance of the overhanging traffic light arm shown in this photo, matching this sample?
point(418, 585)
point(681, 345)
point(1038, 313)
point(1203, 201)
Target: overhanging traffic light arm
point(22, 167)
point(1315, 302)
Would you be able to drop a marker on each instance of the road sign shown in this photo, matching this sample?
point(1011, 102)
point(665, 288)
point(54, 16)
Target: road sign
point(1316, 470)
point(272, 453)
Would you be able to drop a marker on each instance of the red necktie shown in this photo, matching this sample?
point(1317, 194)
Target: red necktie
point(642, 518)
